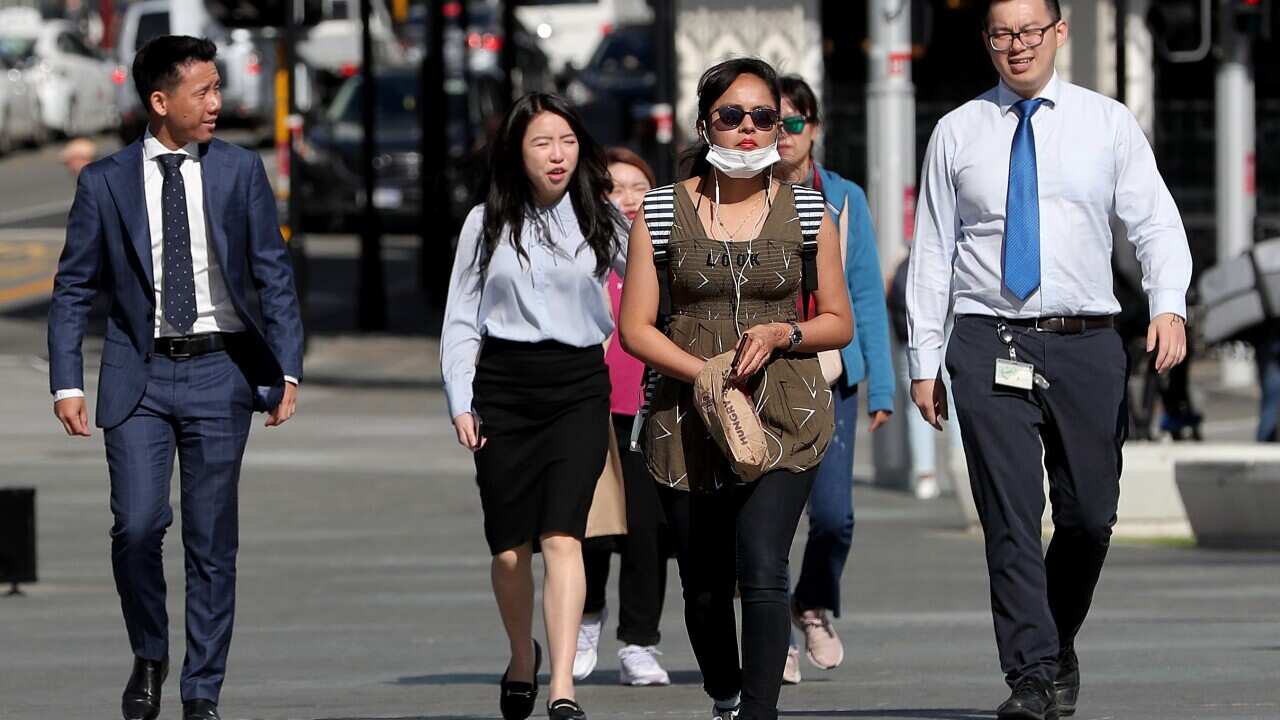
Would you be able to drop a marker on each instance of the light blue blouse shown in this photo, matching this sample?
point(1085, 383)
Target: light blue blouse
point(554, 294)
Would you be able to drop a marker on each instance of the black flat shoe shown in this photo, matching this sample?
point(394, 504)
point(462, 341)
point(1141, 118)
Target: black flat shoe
point(1032, 699)
point(564, 709)
point(200, 710)
point(1066, 687)
point(141, 699)
point(515, 698)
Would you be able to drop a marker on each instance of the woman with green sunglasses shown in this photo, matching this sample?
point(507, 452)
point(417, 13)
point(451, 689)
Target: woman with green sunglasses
point(817, 592)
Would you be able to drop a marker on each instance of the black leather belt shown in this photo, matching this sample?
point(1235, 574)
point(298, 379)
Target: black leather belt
point(192, 345)
point(1065, 325)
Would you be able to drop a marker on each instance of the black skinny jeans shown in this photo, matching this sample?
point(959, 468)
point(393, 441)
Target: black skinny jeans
point(739, 538)
point(642, 580)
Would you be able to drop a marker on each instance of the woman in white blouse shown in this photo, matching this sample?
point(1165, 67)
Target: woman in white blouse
point(525, 377)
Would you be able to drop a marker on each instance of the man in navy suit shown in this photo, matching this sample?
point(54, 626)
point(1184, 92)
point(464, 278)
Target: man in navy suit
point(172, 228)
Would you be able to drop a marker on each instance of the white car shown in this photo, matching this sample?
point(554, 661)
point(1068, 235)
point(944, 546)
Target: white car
point(72, 80)
point(19, 108)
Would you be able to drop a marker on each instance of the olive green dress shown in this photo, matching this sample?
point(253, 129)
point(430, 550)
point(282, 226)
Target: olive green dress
point(792, 398)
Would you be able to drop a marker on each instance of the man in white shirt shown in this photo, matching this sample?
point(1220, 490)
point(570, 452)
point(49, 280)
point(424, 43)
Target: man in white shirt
point(1018, 191)
point(173, 228)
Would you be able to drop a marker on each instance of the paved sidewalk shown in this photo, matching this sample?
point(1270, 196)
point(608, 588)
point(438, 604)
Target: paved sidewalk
point(363, 585)
point(363, 575)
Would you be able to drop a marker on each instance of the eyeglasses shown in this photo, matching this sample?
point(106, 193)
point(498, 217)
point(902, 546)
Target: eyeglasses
point(729, 117)
point(1031, 38)
point(794, 124)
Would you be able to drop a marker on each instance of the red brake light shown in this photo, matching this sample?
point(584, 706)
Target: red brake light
point(492, 43)
point(349, 70)
point(119, 76)
point(254, 64)
point(474, 40)
point(452, 9)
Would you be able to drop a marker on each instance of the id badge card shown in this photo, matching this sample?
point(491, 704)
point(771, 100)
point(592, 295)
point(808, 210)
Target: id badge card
point(1015, 374)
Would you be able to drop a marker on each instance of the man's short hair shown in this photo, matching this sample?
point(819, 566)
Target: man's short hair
point(1054, 6)
point(158, 65)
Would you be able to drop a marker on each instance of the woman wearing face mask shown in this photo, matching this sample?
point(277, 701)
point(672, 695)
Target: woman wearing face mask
point(642, 581)
point(525, 377)
point(732, 272)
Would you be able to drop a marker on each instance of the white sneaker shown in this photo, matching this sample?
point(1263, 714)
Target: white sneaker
point(640, 666)
point(791, 671)
point(927, 487)
point(584, 662)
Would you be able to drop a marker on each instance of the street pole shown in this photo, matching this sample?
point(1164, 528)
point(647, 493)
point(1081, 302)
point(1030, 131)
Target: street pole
point(1235, 131)
point(433, 170)
point(664, 101)
point(891, 188)
point(372, 299)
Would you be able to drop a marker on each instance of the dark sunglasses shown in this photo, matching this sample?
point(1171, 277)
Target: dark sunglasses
point(794, 123)
point(729, 117)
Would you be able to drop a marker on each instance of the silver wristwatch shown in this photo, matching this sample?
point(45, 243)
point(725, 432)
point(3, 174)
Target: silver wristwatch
point(797, 337)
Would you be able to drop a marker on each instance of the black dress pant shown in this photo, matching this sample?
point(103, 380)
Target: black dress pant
point(642, 581)
point(739, 538)
point(1078, 425)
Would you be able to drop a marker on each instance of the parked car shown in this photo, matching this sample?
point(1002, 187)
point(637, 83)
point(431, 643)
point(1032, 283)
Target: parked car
point(141, 22)
point(570, 28)
point(614, 89)
point(72, 80)
point(245, 61)
point(331, 154)
point(20, 120)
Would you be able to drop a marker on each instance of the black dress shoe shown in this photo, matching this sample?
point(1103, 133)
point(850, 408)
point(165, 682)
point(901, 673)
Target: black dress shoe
point(564, 709)
point(141, 700)
point(200, 710)
point(515, 698)
point(1066, 687)
point(1032, 699)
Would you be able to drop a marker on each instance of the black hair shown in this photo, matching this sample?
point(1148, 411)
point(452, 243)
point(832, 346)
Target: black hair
point(798, 92)
point(510, 202)
point(714, 83)
point(158, 65)
point(1054, 7)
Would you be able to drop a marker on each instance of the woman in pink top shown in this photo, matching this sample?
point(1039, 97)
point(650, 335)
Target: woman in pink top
point(642, 581)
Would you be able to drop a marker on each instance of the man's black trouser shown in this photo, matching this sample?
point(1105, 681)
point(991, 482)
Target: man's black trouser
point(1078, 425)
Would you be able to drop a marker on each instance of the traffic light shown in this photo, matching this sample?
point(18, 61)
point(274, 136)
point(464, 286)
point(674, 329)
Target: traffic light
point(1251, 16)
point(261, 13)
point(1182, 29)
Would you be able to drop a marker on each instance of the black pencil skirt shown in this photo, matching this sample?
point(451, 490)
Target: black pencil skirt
point(544, 411)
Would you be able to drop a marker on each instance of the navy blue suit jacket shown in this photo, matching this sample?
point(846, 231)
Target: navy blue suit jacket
point(108, 249)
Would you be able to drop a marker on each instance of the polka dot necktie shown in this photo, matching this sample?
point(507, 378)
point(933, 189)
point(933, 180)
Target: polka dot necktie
point(179, 278)
point(1022, 208)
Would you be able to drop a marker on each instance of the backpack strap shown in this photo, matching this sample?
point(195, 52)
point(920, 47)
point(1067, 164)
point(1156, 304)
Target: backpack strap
point(810, 207)
point(659, 217)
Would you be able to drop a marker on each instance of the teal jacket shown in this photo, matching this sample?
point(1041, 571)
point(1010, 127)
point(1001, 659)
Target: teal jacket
point(867, 357)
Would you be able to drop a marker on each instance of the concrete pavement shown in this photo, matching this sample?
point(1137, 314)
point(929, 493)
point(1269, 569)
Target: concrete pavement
point(363, 575)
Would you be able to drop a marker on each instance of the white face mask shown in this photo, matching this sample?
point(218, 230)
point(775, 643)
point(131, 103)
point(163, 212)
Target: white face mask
point(741, 164)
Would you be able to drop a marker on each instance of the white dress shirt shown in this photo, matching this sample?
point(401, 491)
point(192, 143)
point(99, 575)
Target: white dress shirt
point(215, 311)
point(1093, 165)
point(554, 294)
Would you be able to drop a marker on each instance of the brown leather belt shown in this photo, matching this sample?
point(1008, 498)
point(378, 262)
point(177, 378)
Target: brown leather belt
point(1065, 325)
point(193, 345)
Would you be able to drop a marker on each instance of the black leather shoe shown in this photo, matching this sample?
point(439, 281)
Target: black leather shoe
point(1066, 687)
point(564, 709)
point(141, 700)
point(515, 698)
point(200, 710)
point(1032, 699)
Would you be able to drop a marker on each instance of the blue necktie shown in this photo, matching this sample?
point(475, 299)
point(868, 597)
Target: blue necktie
point(1022, 208)
point(179, 277)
